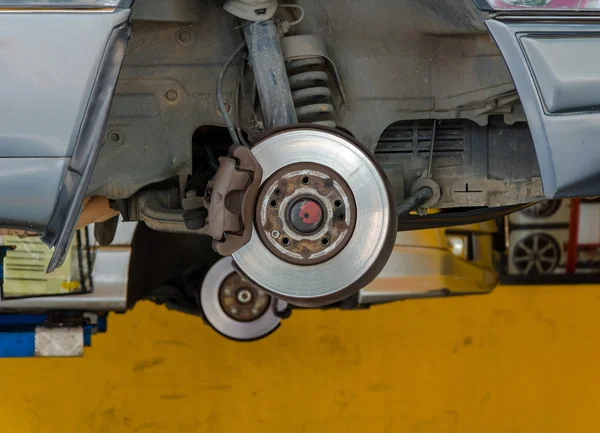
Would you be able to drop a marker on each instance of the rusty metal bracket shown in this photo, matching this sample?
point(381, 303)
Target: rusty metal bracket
point(230, 198)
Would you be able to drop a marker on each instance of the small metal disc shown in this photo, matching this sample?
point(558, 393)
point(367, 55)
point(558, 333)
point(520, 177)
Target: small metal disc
point(234, 307)
point(374, 229)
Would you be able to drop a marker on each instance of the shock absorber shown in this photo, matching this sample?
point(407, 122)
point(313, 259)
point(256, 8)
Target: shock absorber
point(266, 59)
point(314, 80)
point(310, 92)
point(310, 72)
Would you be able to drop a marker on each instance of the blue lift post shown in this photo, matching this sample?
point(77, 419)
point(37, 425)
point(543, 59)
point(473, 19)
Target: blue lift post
point(18, 331)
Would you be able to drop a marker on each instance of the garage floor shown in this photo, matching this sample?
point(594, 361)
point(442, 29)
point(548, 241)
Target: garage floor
point(524, 359)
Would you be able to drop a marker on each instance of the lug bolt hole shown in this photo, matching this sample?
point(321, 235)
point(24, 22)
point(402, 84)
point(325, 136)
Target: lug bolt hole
point(285, 241)
point(337, 203)
point(305, 180)
point(342, 217)
point(324, 242)
point(273, 203)
point(277, 191)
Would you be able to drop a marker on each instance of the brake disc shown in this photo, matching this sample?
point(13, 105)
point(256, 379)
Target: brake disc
point(325, 221)
point(235, 308)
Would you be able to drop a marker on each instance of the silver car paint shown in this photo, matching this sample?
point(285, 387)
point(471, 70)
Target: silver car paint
point(29, 190)
point(49, 63)
point(567, 80)
point(567, 143)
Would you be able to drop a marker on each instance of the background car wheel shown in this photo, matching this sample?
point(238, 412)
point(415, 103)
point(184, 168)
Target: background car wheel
point(543, 209)
point(536, 254)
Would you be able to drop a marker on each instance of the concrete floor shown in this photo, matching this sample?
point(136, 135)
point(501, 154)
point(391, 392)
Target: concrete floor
point(524, 359)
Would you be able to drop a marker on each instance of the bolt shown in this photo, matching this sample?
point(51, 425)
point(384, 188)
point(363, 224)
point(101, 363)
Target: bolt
point(233, 311)
point(254, 311)
point(244, 296)
point(227, 292)
point(275, 234)
point(185, 38)
point(171, 95)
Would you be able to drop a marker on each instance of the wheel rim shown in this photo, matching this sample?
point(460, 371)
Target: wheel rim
point(536, 254)
point(543, 209)
point(372, 240)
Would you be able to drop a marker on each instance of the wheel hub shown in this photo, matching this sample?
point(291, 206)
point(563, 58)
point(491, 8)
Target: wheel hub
point(305, 213)
point(241, 301)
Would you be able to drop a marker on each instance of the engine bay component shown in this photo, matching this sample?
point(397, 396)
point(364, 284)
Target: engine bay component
point(321, 175)
point(236, 308)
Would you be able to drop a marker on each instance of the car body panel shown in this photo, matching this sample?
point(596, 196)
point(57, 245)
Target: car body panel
point(552, 62)
point(29, 190)
point(545, 4)
point(568, 81)
point(51, 61)
point(62, 66)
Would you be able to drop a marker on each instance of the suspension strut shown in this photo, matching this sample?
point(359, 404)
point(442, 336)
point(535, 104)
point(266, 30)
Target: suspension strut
point(266, 59)
point(292, 73)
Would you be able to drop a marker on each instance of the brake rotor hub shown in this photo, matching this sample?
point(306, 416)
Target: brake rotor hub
point(305, 213)
point(240, 300)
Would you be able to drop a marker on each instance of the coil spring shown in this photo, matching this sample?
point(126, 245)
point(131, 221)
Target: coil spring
point(311, 95)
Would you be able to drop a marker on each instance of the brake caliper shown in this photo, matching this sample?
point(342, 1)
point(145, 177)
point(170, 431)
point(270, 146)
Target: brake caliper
point(230, 198)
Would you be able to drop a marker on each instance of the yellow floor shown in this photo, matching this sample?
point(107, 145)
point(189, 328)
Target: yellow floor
point(525, 359)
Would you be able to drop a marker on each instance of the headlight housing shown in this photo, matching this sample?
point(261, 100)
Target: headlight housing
point(544, 5)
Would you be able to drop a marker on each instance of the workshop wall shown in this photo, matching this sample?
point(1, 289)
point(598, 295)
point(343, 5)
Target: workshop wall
point(524, 359)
